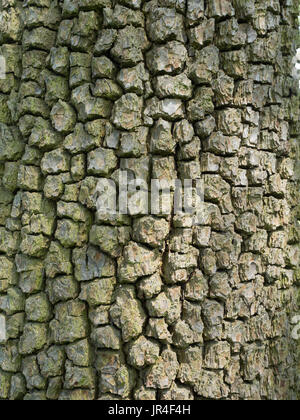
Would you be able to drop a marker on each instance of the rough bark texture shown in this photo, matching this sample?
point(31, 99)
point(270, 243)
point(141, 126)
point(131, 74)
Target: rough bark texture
point(148, 307)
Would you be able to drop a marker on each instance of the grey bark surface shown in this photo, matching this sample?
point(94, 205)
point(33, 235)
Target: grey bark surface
point(147, 307)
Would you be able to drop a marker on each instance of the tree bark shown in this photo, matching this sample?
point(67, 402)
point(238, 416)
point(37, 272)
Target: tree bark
point(146, 306)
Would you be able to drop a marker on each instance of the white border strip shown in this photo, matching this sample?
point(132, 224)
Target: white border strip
point(2, 328)
point(2, 68)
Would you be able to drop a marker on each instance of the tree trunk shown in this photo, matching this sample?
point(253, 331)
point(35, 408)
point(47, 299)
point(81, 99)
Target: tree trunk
point(137, 304)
